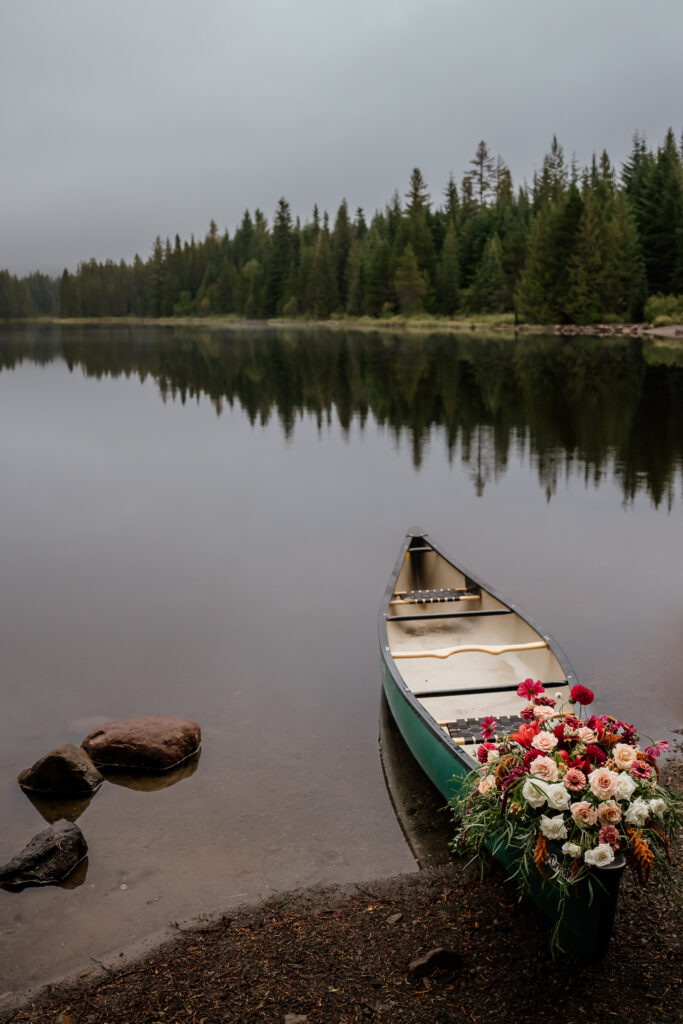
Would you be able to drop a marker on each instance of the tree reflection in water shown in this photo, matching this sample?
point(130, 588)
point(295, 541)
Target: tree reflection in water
point(587, 404)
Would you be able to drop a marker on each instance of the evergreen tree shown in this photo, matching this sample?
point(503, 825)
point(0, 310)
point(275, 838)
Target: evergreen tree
point(341, 246)
point(449, 273)
point(321, 293)
point(410, 283)
point(281, 257)
point(481, 176)
point(489, 288)
point(69, 296)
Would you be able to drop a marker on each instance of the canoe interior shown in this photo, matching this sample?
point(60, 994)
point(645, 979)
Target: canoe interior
point(446, 632)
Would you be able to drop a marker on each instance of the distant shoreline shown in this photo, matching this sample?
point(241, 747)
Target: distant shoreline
point(502, 326)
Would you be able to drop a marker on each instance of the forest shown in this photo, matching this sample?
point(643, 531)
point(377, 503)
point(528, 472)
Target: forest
point(576, 246)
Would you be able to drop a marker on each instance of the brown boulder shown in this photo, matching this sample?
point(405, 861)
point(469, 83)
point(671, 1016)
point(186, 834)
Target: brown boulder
point(66, 770)
point(152, 743)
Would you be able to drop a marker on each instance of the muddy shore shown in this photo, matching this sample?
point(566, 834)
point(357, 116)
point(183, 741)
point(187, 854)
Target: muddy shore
point(342, 955)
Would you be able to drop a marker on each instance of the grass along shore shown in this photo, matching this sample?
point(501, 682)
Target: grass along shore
point(502, 324)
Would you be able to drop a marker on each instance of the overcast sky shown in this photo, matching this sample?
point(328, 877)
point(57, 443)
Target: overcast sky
point(124, 119)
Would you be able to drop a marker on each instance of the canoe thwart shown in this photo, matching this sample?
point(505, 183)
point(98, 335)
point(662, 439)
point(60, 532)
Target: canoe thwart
point(468, 730)
point(448, 615)
point(447, 652)
point(435, 595)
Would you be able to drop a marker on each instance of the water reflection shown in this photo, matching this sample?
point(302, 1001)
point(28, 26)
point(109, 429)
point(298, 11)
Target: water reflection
point(151, 783)
point(582, 405)
point(585, 404)
point(418, 805)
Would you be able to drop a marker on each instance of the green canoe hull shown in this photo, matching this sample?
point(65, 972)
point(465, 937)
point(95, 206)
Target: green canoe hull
point(587, 924)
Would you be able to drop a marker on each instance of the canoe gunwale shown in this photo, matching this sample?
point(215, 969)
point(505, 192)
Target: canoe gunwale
point(464, 760)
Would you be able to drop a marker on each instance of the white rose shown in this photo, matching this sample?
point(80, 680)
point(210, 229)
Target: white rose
point(534, 793)
point(553, 828)
point(571, 850)
point(658, 806)
point(558, 797)
point(625, 786)
point(600, 856)
point(638, 812)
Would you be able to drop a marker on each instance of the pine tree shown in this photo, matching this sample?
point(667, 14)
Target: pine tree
point(481, 176)
point(489, 288)
point(341, 246)
point(281, 257)
point(321, 293)
point(409, 283)
point(449, 273)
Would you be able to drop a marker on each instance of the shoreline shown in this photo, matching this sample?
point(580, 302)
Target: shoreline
point(341, 953)
point(497, 326)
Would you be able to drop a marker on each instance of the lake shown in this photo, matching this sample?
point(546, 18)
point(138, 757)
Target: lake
point(202, 522)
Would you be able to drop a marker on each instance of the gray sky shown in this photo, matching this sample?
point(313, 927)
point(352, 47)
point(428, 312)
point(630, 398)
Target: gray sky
point(124, 119)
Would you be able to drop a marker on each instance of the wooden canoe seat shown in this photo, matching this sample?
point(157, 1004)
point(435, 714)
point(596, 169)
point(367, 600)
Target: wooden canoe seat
point(468, 730)
point(434, 596)
point(447, 652)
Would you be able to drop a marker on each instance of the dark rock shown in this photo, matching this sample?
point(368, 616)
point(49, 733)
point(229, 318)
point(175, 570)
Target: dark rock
point(65, 771)
point(47, 859)
point(440, 959)
point(153, 743)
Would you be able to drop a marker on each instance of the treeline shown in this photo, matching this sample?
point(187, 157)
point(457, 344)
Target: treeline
point(576, 246)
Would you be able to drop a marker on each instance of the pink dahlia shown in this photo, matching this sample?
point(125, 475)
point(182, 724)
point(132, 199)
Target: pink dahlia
point(530, 689)
point(582, 695)
point(610, 836)
point(488, 727)
point(641, 770)
point(574, 779)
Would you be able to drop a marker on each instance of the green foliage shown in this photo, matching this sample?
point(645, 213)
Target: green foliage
point(578, 247)
point(664, 309)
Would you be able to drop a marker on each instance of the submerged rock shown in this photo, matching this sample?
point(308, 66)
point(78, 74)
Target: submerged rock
point(152, 743)
point(47, 859)
point(65, 771)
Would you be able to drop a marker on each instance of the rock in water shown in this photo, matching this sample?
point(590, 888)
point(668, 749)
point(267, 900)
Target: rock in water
point(47, 859)
point(153, 743)
point(65, 771)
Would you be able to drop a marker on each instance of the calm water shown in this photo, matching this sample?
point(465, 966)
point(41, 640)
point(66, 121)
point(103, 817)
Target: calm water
point(202, 523)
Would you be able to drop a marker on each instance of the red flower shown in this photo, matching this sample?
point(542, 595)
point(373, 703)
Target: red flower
point(530, 689)
point(595, 754)
point(525, 733)
point(558, 732)
point(488, 727)
point(581, 695)
point(483, 752)
point(547, 702)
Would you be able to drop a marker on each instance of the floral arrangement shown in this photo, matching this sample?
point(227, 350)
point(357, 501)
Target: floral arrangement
point(567, 793)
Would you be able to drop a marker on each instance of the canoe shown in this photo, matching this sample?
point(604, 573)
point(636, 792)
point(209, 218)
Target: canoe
point(452, 651)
